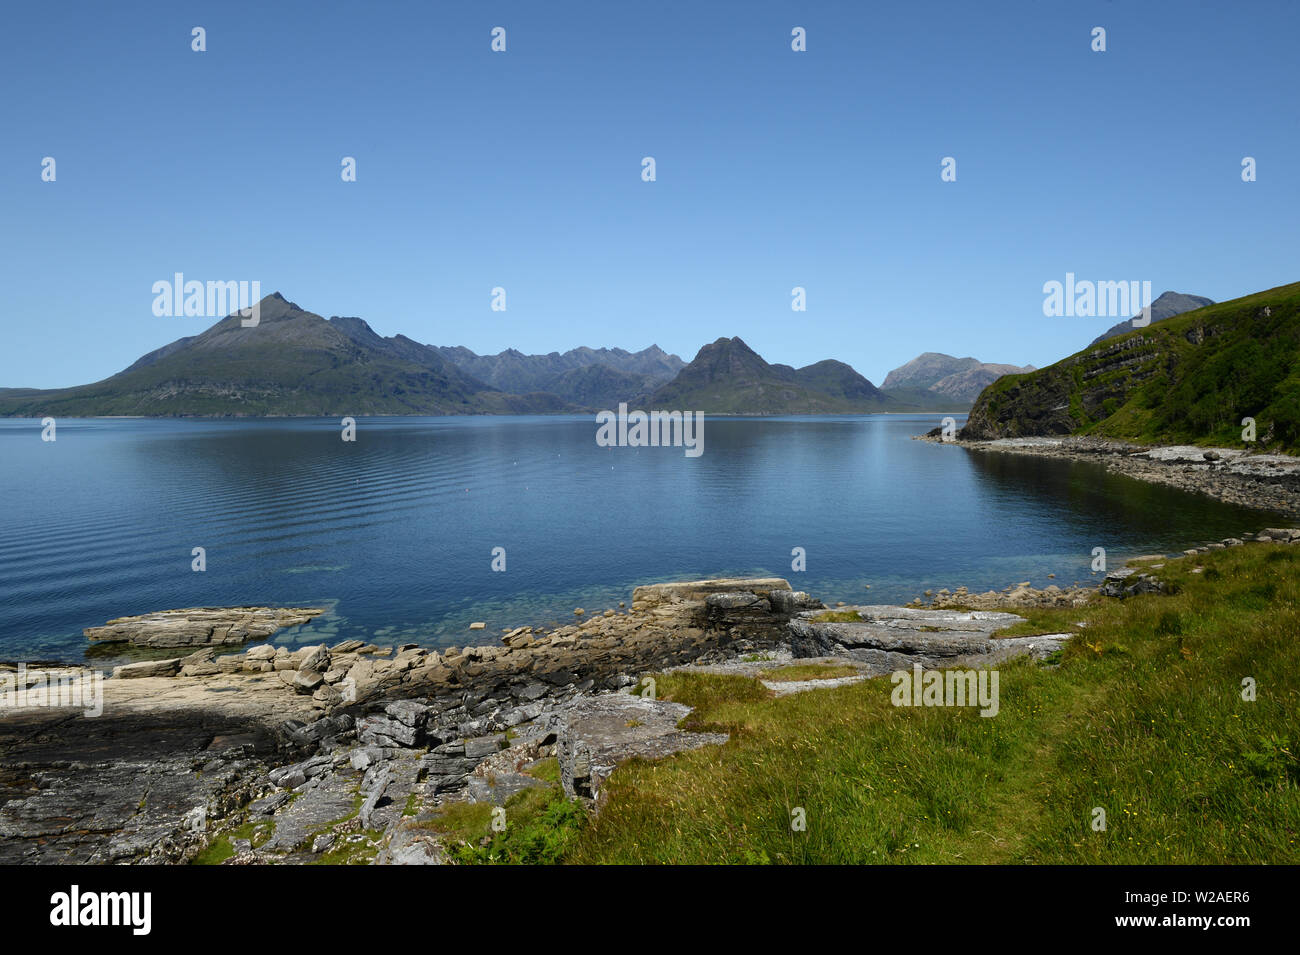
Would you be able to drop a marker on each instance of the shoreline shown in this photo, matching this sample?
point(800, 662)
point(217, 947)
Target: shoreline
point(347, 753)
point(185, 755)
point(1262, 482)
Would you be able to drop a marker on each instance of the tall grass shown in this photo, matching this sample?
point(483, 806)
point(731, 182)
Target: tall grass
point(1143, 718)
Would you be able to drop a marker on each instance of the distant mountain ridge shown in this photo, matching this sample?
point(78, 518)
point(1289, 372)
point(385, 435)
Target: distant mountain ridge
point(729, 377)
point(584, 376)
point(293, 362)
point(959, 379)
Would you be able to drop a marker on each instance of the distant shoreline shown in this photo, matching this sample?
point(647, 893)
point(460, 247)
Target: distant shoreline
point(1263, 482)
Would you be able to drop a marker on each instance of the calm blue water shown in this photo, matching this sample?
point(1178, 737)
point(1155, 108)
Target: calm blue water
point(394, 533)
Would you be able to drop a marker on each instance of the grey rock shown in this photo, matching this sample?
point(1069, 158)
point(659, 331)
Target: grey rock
point(317, 807)
point(483, 746)
point(599, 732)
point(307, 681)
point(499, 787)
point(408, 712)
point(408, 844)
point(533, 691)
point(315, 658)
point(267, 805)
point(147, 668)
point(792, 601)
point(363, 757)
point(378, 786)
point(386, 732)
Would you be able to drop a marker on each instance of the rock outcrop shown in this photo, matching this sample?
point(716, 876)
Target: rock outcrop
point(600, 732)
point(890, 638)
point(291, 741)
point(200, 626)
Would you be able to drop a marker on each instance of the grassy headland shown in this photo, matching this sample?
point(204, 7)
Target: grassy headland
point(1190, 379)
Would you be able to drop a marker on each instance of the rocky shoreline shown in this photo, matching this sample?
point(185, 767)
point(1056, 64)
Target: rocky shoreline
point(346, 753)
point(323, 753)
point(1269, 482)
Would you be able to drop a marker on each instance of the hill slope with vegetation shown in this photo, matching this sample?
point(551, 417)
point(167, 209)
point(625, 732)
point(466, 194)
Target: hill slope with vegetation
point(1190, 379)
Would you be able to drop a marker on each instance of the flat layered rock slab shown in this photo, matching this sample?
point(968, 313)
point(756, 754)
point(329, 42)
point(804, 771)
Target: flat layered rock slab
point(898, 630)
point(887, 615)
point(888, 638)
point(409, 844)
point(200, 626)
point(602, 731)
point(498, 787)
point(738, 666)
point(1038, 647)
point(111, 788)
point(790, 687)
point(697, 591)
point(331, 800)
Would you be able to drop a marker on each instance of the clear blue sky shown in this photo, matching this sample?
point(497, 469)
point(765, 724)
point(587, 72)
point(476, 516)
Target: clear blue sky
point(522, 170)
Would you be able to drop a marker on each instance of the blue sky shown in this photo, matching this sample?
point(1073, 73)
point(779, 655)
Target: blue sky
point(523, 170)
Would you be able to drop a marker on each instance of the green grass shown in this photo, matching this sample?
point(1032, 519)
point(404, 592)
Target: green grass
point(220, 849)
point(797, 672)
point(547, 770)
point(540, 824)
point(1143, 717)
point(345, 852)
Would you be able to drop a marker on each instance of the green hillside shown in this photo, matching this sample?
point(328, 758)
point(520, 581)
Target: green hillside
point(1190, 379)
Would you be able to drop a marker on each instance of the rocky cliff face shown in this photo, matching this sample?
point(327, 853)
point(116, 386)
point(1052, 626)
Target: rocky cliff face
point(1068, 395)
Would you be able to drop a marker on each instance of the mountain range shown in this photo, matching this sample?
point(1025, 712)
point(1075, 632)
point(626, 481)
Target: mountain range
point(295, 362)
point(566, 374)
point(957, 378)
point(729, 377)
